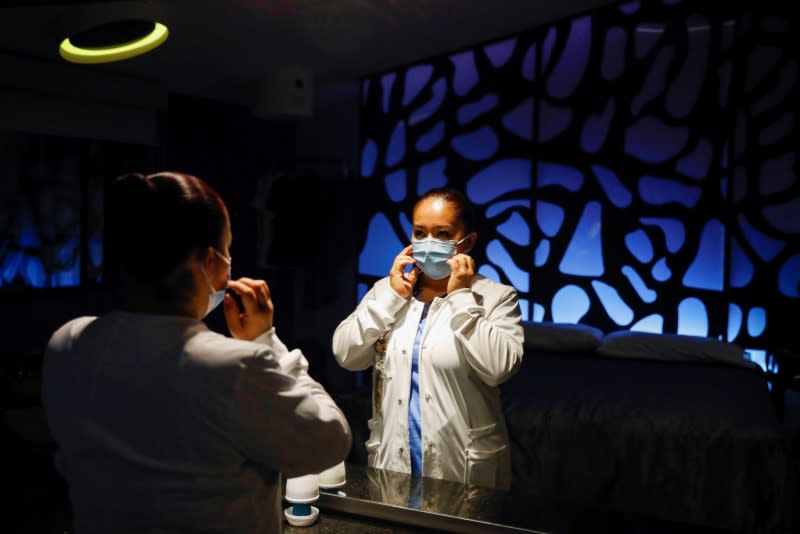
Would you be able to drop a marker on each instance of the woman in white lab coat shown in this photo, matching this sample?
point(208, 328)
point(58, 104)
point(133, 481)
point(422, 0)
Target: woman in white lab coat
point(441, 339)
point(162, 424)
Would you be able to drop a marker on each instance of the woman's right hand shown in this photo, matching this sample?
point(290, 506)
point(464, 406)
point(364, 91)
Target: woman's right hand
point(401, 281)
point(256, 318)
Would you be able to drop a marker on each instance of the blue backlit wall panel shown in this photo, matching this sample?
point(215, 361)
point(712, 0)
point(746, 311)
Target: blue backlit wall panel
point(633, 166)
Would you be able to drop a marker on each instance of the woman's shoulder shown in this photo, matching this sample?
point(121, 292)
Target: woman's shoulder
point(69, 331)
point(486, 285)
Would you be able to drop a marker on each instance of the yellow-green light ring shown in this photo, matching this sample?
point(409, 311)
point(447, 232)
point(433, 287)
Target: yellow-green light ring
point(107, 54)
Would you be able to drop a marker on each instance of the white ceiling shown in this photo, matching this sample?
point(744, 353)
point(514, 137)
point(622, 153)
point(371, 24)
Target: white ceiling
point(220, 48)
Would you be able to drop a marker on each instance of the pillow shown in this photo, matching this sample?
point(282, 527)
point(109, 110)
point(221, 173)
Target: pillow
point(671, 347)
point(561, 337)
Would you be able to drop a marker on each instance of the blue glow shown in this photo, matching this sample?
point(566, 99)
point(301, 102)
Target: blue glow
point(406, 225)
point(570, 304)
point(431, 106)
point(784, 216)
point(516, 229)
point(629, 8)
point(766, 247)
point(644, 41)
point(499, 53)
point(12, 264)
point(490, 272)
point(615, 190)
point(706, 271)
point(498, 255)
point(28, 236)
point(615, 307)
point(470, 110)
point(397, 145)
point(595, 129)
point(431, 138)
point(644, 292)
point(431, 175)
point(499, 178)
point(387, 83)
point(369, 154)
point(96, 250)
point(756, 321)
point(557, 174)
point(584, 255)
point(659, 191)
point(396, 185)
point(661, 271)
point(696, 164)
point(361, 290)
point(653, 141)
point(772, 98)
point(538, 312)
point(519, 120)
point(550, 217)
point(33, 273)
point(380, 249)
point(365, 91)
point(478, 145)
point(735, 317)
point(778, 130)
point(692, 318)
point(674, 232)
point(653, 85)
point(466, 73)
point(553, 121)
point(67, 250)
point(542, 253)
point(758, 357)
point(639, 245)
point(500, 207)
point(529, 63)
point(571, 66)
point(685, 88)
point(789, 277)
point(652, 323)
point(547, 46)
point(524, 308)
point(776, 174)
point(740, 268)
point(417, 77)
point(614, 53)
point(67, 277)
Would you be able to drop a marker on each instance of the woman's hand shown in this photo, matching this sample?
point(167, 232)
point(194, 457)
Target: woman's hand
point(403, 282)
point(258, 310)
point(463, 268)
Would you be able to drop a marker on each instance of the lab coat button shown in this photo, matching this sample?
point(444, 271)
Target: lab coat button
point(399, 402)
point(428, 397)
point(401, 450)
point(403, 351)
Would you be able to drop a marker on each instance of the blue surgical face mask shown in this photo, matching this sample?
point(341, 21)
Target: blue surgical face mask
point(431, 255)
point(217, 296)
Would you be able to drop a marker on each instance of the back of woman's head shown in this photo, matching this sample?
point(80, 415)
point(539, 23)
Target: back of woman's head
point(159, 221)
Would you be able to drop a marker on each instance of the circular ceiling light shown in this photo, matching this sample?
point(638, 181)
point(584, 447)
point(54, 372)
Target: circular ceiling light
point(113, 41)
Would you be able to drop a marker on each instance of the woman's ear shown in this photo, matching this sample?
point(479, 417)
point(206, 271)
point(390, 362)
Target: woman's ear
point(468, 242)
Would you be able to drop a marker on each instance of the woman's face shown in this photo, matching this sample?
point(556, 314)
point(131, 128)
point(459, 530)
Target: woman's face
point(438, 218)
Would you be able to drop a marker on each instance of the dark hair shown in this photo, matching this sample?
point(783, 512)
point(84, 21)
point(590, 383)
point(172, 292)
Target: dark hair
point(158, 221)
point(464, 210)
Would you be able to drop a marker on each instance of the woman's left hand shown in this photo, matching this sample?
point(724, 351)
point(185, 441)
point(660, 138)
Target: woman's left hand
point(463, 268)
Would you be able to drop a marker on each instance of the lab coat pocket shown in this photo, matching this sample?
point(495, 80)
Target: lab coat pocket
point(483, 455)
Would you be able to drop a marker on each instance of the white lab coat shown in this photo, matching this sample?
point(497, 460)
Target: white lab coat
point(471, 343)
point(162, 424)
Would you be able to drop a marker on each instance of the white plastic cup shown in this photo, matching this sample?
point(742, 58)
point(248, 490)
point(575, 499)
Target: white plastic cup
point(302, 490)
point(333, 477)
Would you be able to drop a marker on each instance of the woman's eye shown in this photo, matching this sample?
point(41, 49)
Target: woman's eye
point(443, 234)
